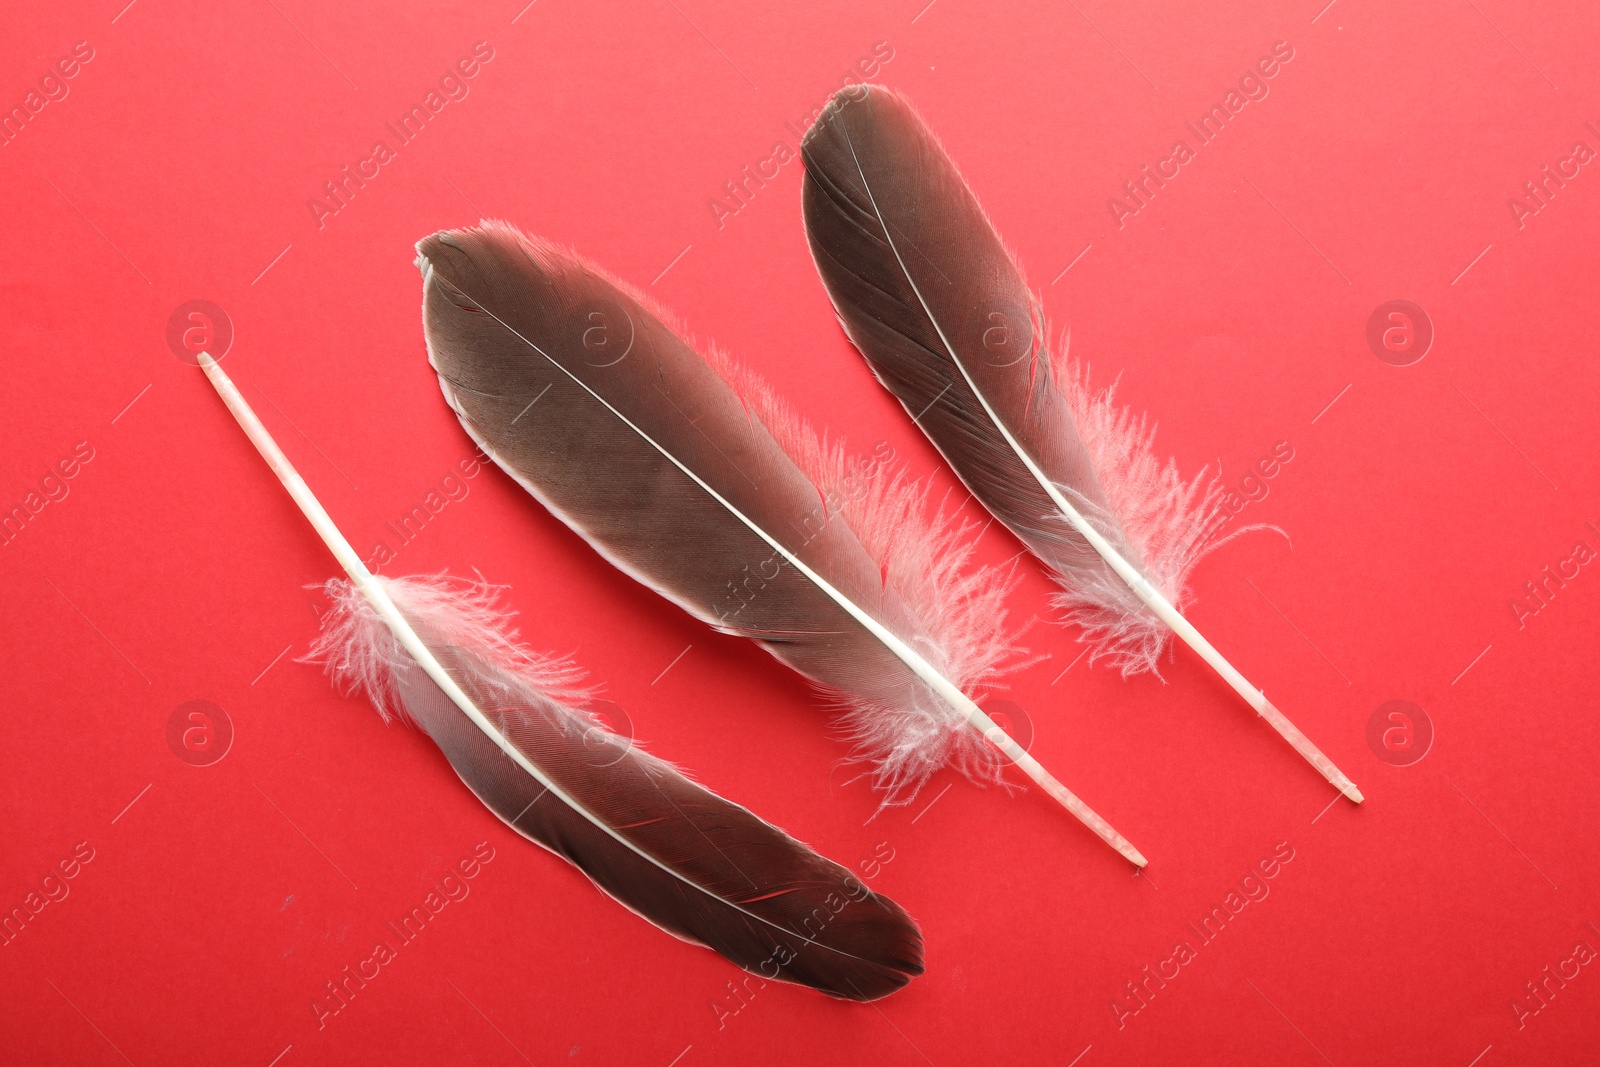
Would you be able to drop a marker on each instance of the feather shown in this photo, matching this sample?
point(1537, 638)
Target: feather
point(643, 448)
point(692, 863)
point(439, 654)
point(929, 294)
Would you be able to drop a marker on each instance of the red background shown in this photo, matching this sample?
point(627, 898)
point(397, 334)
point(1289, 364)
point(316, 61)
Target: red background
point(1234, 307)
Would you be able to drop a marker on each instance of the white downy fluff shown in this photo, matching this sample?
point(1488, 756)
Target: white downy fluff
point(924, 554)
point(1166, 522)
point(361, 654)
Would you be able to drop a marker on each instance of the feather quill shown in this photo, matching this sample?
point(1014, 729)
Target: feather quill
point(439, 654)
point(931, 297)
point(643, 448)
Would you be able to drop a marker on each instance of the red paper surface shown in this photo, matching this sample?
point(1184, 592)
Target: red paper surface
point(1384, 162)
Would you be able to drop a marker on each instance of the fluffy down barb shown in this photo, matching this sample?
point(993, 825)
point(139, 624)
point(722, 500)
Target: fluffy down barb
point(360, 653)
point(924, 555)
point(1163, 521)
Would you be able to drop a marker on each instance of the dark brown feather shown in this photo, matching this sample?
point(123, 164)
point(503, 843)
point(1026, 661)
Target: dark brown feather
point(931, 297)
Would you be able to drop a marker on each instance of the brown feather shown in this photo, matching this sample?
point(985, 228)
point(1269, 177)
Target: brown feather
point(931, 297)
point(579, 389)
point(694, 864)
